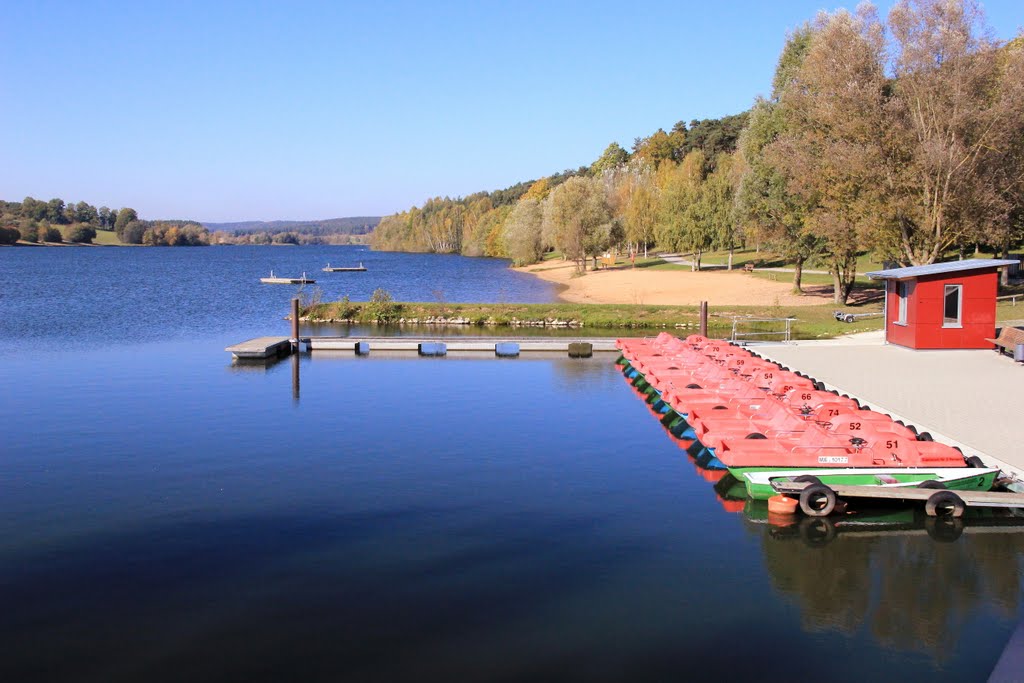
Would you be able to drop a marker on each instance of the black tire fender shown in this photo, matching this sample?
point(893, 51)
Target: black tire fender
point(931, 484)
point(945, 504)
point(818, 500)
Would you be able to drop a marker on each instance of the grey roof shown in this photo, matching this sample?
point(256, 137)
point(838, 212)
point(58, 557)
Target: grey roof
point(936, 268)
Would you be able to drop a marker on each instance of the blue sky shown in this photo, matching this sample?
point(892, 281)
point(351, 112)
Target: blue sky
point(269, 110)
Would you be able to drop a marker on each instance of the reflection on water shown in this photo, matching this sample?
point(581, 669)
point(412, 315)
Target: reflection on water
point(915, 584)
point(913, 591)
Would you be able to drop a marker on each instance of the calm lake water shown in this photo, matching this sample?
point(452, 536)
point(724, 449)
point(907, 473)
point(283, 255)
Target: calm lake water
point(170, 516)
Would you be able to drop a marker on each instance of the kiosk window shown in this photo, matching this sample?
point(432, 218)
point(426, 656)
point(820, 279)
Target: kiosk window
point(951, 305)
point(902, 293)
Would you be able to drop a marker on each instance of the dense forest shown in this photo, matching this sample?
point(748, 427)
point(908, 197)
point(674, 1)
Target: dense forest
point(904, 136)
point(55, 221)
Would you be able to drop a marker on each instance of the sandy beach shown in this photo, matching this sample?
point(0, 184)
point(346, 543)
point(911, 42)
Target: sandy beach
point(625, 285)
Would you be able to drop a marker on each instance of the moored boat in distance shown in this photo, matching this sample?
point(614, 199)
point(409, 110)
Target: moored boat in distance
point(760, 484)
point(273, 280)
point(344, 269)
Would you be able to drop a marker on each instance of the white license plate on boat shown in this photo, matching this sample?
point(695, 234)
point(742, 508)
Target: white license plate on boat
point(833, 459)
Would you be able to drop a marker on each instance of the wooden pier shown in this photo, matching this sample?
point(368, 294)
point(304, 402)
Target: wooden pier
point(267, 347)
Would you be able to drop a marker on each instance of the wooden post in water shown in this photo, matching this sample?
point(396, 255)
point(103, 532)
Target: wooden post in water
point(703, 318)
point(295, 325)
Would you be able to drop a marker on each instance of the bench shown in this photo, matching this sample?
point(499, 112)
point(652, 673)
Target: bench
point(1008, 339)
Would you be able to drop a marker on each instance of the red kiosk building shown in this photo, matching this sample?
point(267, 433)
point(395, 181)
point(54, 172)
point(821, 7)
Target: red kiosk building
point(942, 305)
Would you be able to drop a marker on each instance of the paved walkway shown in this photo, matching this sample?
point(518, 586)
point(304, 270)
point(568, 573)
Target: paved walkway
point(969, 399)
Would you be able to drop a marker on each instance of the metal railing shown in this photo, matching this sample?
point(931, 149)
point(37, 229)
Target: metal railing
point(1012, 298)
point(786, 332)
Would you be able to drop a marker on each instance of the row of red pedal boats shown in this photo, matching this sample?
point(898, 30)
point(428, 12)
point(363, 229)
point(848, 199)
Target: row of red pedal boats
point(745, 413)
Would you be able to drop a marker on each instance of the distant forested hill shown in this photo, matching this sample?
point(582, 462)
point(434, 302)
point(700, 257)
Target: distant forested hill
point(353, 225)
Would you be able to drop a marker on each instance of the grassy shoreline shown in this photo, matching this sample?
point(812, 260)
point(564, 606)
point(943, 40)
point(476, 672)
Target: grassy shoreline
point(812, 321)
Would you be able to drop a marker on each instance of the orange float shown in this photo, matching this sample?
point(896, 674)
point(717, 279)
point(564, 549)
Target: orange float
point(782, 505)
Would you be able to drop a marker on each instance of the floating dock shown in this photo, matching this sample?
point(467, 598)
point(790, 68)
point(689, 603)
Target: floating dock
point(344, 269)
point(274, 280)
point(496, 345)
point(261, 348)
point(268, 347)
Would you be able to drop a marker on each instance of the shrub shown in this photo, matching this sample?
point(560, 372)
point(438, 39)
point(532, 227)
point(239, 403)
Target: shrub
point(309, 300)
point(29, 230)
point(382, 308)
point(132, 232)
point(50, 234)
point(345, 309)
point(9, 235)
point(79, 233)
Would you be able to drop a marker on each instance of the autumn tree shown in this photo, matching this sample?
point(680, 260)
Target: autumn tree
point(618, 184)
point(641, 215)
point(717, 203)
point(683, 222)
point(944, 121)
point(661, 146)
point(133, 232)
point(538, 190)
point(79, 233)
point(33, 209)
point(523, 232)
point(830, 154)
point(48, 233)
point(1005, 159)
point(124, 217)
point(612, 157)
point(86, 213)
point(104, 217)
point(442, 225)
point(763, 199)
point(474, 235)
point(575, 216)
point(30, 230)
